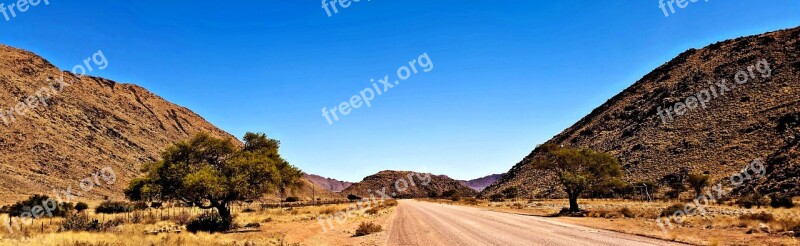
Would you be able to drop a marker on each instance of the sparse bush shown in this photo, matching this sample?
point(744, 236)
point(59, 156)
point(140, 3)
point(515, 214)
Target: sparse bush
point(82, 222)
point(471, 201)
point(390, 203)
point(328, 210)
point(496, 198)
point(253, 225)
point(373, 211)
point(81, 206)
point(79, 222)
point(752, 200)
point(140, 206)
point(449, 193)
point(366, 228)
point(26, 206)
point(627, 212)
point(292, 199)
point(109, 207)
point(511, 192)
point(762, 216)
point(352, 197)
point(669, 211)
point(781, 201)
point(209, 222)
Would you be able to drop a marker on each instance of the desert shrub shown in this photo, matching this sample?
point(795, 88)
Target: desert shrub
point(669, 211)
point(39, 201)
point(81, 206)
point(79, 222)
point(140, 206)
point(366, 228)
point(455, 198)
point(762, 216)
point(158, 205)
point(627, 212)
point(328, 210)
point(252, 225)
point(82, 222)
point(390, 203)
point(781, 201)
point(449, 193)
point(209, 222)
point(789, 225)
point(496, 198)
point(373, 211)
point(511, 192)
point(752, 200)
point(517, 206)
point(471, 201)
point(352, 197)
point(433, 194)
point(604, 214)
point(109, 207)
point(292, 199)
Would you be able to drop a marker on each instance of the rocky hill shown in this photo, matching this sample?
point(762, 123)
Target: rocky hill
point(403, 184)
point(54, 142)
point(328, 183)
point(754, 118)
point(481, 183)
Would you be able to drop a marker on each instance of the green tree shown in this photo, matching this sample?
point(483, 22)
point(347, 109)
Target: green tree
point(579, 170)
point(698, 182)
point(210, 172)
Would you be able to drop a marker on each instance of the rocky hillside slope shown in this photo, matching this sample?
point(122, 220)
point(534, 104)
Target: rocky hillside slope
point(480, 184)
point(91, 124)
point(403, 184)
point(756, 119)
point(328, 183)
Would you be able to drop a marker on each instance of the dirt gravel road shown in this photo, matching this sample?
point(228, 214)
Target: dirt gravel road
point(423, 223)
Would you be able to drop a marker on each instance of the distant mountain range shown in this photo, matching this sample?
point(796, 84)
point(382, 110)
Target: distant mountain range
point(328, 183)
point(481, 183)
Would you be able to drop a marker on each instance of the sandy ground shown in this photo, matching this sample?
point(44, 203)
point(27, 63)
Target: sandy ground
point(423, 223)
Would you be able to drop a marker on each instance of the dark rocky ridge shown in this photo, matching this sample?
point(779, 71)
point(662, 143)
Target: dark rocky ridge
point(755, 120)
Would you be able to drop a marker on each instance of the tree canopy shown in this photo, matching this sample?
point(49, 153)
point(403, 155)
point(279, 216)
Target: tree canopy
point(211, 172)
point(579, 170)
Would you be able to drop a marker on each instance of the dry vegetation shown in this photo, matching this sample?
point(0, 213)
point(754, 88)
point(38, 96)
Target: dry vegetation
point(722, 225)
point(279, 226)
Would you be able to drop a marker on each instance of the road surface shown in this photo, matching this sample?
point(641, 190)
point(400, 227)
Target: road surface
point(422, 223)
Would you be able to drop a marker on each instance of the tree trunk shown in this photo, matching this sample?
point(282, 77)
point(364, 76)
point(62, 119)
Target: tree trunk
point(225, 214)
point(573, 202)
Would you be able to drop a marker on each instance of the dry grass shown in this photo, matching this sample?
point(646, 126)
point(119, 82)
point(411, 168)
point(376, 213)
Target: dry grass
point(268, 226)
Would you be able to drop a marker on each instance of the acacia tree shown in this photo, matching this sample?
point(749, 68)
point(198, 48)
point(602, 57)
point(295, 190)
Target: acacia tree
point(210, 172)
point(579, 170)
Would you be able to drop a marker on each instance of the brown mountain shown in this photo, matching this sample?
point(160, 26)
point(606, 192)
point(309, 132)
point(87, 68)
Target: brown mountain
point(755, 119)
point(403, 184)
point(481, 183)
point(91, 124)
point(328, 183)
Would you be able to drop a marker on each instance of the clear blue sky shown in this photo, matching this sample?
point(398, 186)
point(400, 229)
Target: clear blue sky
point(508, 75)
